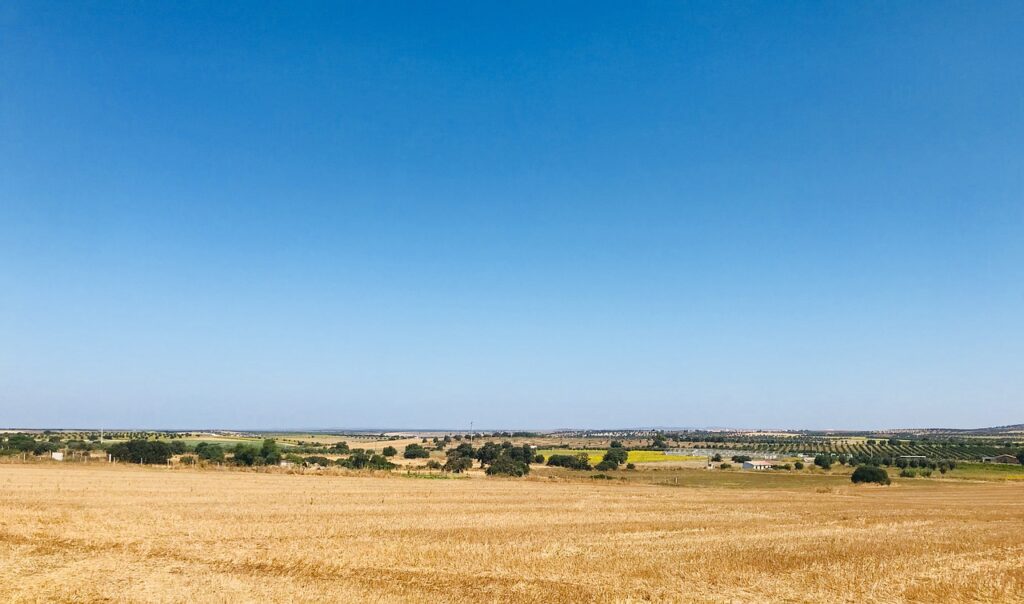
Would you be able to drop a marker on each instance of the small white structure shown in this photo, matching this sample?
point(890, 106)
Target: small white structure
point(757, 464)
point(57, 455)
point(286, 464)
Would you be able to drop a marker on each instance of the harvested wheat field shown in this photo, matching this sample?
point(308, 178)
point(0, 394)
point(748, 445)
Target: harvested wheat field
point(135, 534)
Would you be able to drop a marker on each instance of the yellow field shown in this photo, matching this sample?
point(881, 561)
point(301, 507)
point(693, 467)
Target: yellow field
point(595, 455)
point(103, 533)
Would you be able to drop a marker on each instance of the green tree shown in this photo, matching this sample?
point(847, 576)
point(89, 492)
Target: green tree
point(415, 451)
point(389, 451)
point(870, 474)
point(270, 452)
point(506, 466)
point(210, 451)
point(141, 451)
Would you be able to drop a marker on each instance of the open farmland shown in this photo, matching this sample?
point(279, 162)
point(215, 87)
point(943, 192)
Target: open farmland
point(81, 533)
point(637, 456)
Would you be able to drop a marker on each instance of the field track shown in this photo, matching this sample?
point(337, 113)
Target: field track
point(122, 533)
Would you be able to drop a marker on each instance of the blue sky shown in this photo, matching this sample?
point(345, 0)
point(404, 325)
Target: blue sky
point(578, 214)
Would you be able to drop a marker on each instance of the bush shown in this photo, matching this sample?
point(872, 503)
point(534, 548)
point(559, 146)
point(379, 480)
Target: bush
point(616, 455)
point(907, 473)
point(246, 455)
point(741, 458)
point(457, 464)
point(379, 462)
point(870, 474)
point(415, 451)
point(389, 451)
point(823, 461)
point(433, 464)
point(799, 465)
point(725, 466)
point(506, 466)
point(631, 466)
point(210, 451)
point(606, 464)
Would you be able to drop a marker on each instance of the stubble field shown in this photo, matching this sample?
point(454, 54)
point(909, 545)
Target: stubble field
point(120, 534)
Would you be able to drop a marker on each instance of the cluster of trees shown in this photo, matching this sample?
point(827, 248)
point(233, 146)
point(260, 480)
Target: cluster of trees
point(358, 459)
point(268, 454)
point(141, 451)
point(580, 461)
point(503, 459)
point(14, 444)
point(615, 456)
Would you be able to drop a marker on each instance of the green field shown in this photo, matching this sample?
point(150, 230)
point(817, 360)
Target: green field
point(987, 471)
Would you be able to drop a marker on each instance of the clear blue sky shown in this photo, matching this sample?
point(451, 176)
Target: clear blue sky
point(541, 215)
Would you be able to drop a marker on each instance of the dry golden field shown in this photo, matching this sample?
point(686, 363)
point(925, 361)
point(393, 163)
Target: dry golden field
point(122, 534)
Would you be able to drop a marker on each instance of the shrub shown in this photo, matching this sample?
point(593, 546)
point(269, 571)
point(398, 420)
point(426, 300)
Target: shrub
point(415, 451)
point(907, 473)
point(631, 466)
point(390, 451)
point(246, 455)
point(506, 466)
point(270, 453)
point(725, 466)
point(741, 458)
point(823, 461)
point(870, 474)
point(379, 462)
point(606, 464)
point(616, 455)
point(187, 460)
point(433, 464)
point(210, 451)
point(457, 464)
point(799, 465)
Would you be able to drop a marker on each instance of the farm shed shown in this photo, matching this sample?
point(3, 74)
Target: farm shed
point(757, 464)
point(1000, 459)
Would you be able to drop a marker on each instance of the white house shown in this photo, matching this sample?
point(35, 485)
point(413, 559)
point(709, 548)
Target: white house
point(757, 464)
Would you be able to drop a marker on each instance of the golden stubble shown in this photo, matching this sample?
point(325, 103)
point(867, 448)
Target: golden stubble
point(102, 533)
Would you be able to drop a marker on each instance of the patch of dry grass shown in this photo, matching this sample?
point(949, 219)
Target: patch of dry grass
point(136, 534)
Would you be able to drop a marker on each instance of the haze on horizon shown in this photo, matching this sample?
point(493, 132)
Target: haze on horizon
point(801, 215)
